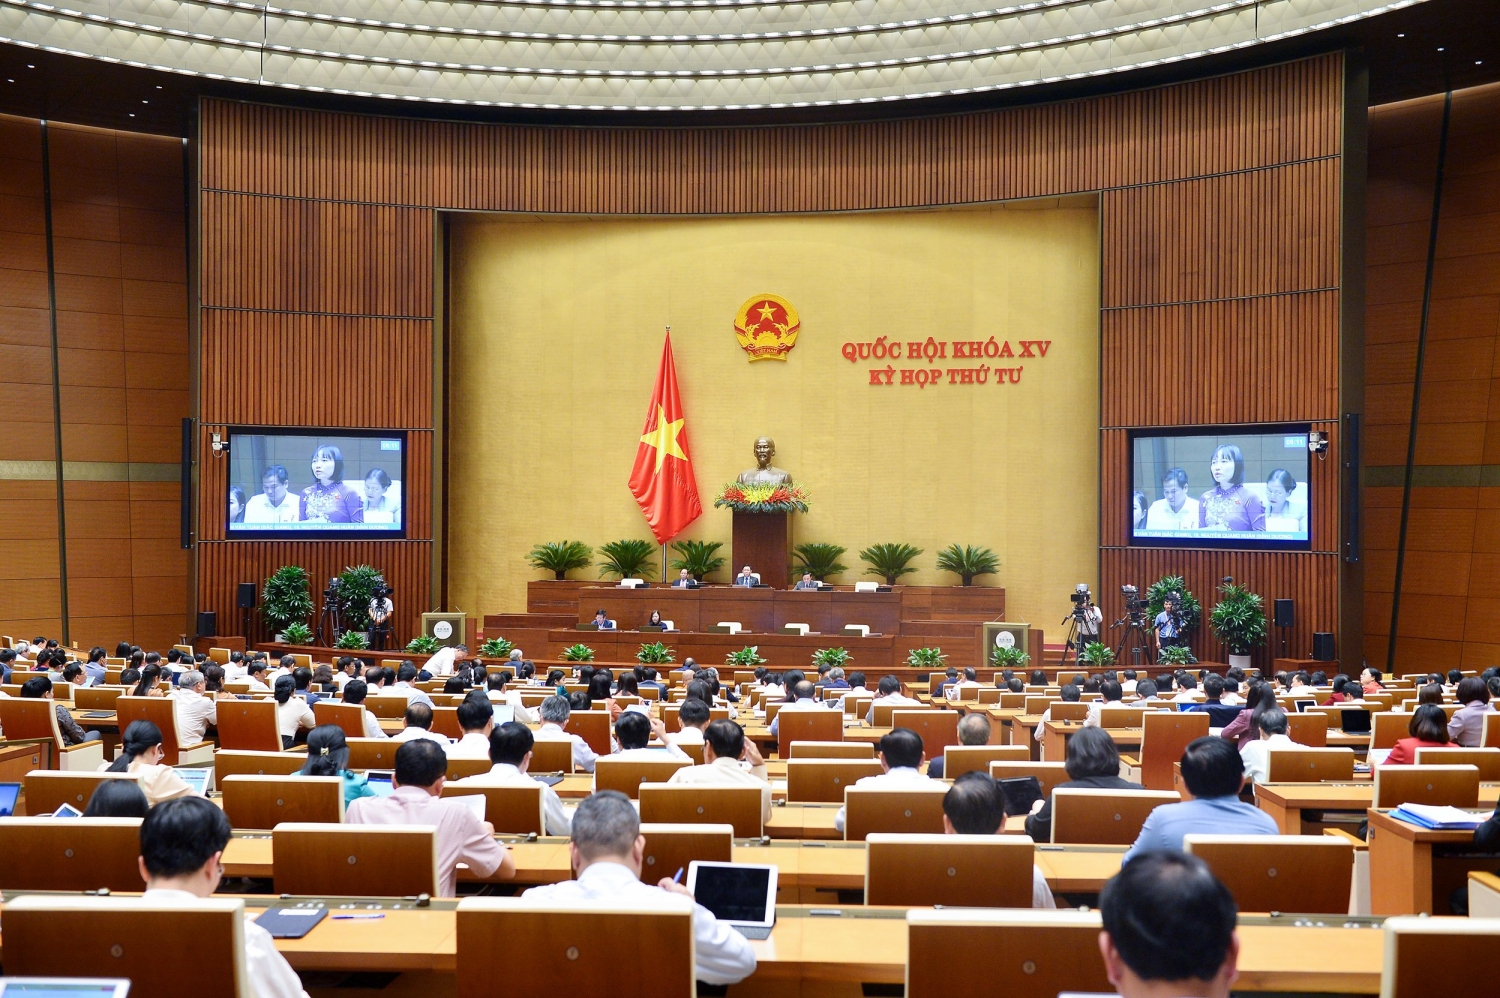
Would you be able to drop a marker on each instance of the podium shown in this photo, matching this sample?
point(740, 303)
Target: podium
point(764, 542)
point(446, 628)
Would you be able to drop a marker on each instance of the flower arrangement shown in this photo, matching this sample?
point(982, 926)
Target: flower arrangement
point(763, 498)
point(577, 653)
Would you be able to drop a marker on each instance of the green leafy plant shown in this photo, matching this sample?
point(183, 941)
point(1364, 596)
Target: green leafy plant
point(356, 588)
point(627, 559)
point(1176, 655)
point(1239, 619)
point(297, 634)
point(1009, 658)
point(1096, 653)
point(926, 658)
point(832, 657)
point(352, 640)
point(495, 648)
point(820, 560)
point(967, 562)
point(424, 644)
point(891, 561)
point(746, 658)
point(698, 557)
point(286, 598)
point(561, 557)
point(654, 653)
point(577, 653)
point(1189, 607)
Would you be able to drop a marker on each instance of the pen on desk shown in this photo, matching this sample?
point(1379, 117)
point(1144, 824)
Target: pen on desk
point(677, 877)
point(339, 917)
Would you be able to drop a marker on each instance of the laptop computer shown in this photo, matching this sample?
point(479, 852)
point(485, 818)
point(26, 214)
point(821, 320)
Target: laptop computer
point(64, 987)
point(741, 894)
point(504, 713)
point(9, 792)
point(1355, 721)
point(195, 778)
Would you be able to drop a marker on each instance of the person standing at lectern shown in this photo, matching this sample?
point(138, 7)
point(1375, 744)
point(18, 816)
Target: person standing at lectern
point(746, 578)
point(806, 582)
point(765, 473)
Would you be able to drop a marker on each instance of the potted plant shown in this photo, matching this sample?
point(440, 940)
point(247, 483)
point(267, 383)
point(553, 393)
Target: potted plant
point(654, 653)
point(746, 658)
point(890, 561)
point(1188, 606)
point(561, 557)
point(698, 557)
point(819, 560)
point(926, 658)
point(297, 634)
point(627, 559)
point(1176, 655)
point(831, 657)
point(1009, 658)
point(285, 599)
point(1097, 654)
point(967, 562)
point(424, 644)
point(356, 589)
point(1239, 621)
point(577, 653)
point(495, 648)
point(352, 641)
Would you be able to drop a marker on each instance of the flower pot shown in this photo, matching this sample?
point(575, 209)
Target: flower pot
point(1239, 661)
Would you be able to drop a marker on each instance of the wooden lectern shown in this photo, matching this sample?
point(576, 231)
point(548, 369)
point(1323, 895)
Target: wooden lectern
point(447, 628)
point(764, 542)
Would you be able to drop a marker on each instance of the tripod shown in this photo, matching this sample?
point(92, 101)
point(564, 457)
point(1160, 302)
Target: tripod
point(1134, 638)
point(1071, 647)
point(330, 613)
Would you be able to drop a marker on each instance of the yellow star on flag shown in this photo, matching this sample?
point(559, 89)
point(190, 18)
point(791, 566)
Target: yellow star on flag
point(664, 438)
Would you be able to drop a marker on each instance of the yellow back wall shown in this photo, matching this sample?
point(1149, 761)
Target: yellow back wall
point(556, 329)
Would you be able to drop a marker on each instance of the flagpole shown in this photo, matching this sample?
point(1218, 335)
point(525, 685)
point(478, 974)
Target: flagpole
point(664, 560)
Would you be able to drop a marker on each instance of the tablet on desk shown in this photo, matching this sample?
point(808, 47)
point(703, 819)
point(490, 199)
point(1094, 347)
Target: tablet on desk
point(196, 778)
point(97, 713)
point(64, 987)
point(67, 811)
point(1302, 705)
point(382, 782)
point(741, 894)
point(504, 714)
point(9, 792)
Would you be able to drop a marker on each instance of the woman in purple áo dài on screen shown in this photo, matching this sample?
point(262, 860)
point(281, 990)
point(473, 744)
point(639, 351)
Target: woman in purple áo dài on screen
point(328, 499)
point(1229, 505)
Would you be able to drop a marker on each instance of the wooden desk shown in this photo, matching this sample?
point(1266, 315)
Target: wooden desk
point(1414, 869)
point(1286, 801)
point(759, 610)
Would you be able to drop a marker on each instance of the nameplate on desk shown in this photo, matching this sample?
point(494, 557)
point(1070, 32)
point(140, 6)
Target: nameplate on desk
point(588, 627)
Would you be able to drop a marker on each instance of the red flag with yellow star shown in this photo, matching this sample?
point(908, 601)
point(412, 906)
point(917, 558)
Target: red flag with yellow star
point(662, 479)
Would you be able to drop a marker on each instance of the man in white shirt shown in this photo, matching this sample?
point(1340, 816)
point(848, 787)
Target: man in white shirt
point(975, 805)
point(182, 844)
point(555, 713)
point(607, 851)
point(445, 662)
point(510, 758)
point(511, 698)
point(1272, 724)
point(633, 732)
point(1187, 689)
point(693, 715)
point(1127, 685)
point(888, 691)
point(418, 723)
point(901, 757)
point(476, 718)
point(1146, 692)
point(1070, 693)
point(273, 503)
point(729, 759)
point(804, 692)
point(194, 711)
point(856, 688)
point(235, 667)
point(404, 686)
point(1174, 510)
point(355, 691)
point(255, 673)
point(1113, 698)
point(461, 837)
point(970, 680)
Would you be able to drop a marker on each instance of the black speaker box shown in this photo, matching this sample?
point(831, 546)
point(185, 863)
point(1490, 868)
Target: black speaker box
point(1323, 646)
point(1286, 613)
point(208, 623)
point(245, 596)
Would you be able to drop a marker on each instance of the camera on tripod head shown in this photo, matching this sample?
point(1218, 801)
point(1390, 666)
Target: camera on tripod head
point(1135, 609)
point(1081, 598)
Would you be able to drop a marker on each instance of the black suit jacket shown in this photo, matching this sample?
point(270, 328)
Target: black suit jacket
point(1039, 825)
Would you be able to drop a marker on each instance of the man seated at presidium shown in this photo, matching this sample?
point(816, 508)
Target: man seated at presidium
point(684, 581)
point(602, 622)
point(807, 582)
point(1168, 929)
point(1213, 774)
point(746, 578)
point(607, 850)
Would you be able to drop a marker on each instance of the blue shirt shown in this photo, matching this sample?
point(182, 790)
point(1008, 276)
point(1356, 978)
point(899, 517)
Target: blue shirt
point(1165, 625)
point(1166, 826)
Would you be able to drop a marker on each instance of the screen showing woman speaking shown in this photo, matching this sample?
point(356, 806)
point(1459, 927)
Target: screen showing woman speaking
point(299, 483)
point(1221, 488)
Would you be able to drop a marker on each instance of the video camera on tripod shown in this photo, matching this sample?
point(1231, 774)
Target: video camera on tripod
point(1135, 608)
point(1081, 598)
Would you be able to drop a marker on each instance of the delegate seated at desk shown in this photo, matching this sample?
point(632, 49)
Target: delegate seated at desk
point(555, 713)
point(807, 582)
point(1093, 763)
point(602, 621)
point(729, 760)
point(975, 805)
point(888, 691)
point(1191, 946)
point(684, 581)
point(746, 578)
point(1213, 774)
point(901, 757)
point(510, 758)
point(803, 693)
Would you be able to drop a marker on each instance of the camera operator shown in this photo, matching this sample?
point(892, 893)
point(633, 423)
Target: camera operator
point(381, 609)
point(1090, 618)
point(1168, 623)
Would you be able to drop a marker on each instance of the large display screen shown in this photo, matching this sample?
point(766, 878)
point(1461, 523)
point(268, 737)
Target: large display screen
point(1221, 487)
point(301, 483)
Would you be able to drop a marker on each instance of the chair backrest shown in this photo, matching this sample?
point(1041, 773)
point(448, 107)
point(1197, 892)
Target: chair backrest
point(160, 711)
point(267, 801)
point(1122, 717)
point(355, 860)
point(551, 755)
point(1490, 737)
point(592, 726)
point(232, 762)
point(249, 725)
point(679, 804)
point(122, 937)
point(1063, 711)
point(1457, 786)
point(1039, 703)
point(1310, 765)
point(822, 725)
point(832, 750)
point(938, 728)
point(1104, 817)
point(516, 810)
point(910, 810)
point(825, 780)
point(84, 854)
point(96, 697)
point(960, 759)
point(1044, 952)
point(1486, 760)
point(1301, 873)
point(1310, 729)
point(1048, 774)
point(1164, 736)
point(1387, 728)
point(584, 949)
point(460, 767)
point(1426, 956)
point(48, 789)
point(219, 655)
point(30, 718)
point(369, 753)
point(627, 775)
point(385, 705)
point(671, 847)
point(970, 871)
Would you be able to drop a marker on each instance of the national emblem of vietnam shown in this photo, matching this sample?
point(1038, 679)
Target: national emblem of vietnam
point(766, 327)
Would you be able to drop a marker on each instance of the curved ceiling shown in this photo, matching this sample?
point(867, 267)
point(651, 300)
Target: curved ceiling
point(660, 54)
